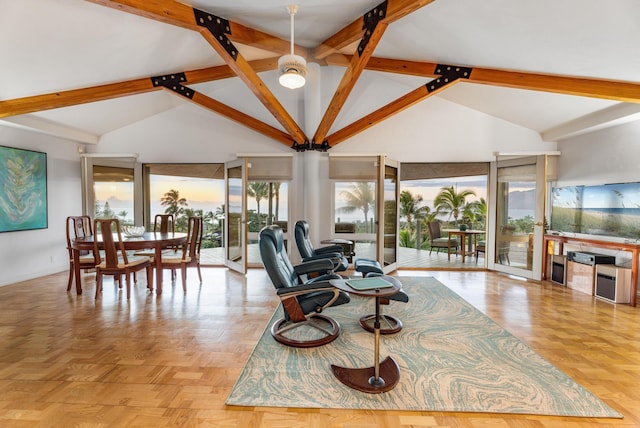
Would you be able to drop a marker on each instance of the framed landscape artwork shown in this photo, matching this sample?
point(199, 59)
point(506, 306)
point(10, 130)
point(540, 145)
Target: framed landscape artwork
point(23, 189)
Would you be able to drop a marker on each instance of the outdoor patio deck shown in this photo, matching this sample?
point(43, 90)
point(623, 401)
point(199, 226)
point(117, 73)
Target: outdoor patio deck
point(407, 257)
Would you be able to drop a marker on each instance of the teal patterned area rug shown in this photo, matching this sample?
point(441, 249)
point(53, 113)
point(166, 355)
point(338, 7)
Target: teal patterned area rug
point(452, 358)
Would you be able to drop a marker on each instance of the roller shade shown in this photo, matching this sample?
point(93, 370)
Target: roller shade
point(517, 173)
point(424, 171)
point(353, 167)
point(197, 170)
point(265, 168)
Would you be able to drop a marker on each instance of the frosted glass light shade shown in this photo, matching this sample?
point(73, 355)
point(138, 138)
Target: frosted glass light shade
point(293, 70)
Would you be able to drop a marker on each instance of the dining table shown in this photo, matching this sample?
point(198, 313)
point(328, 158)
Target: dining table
point(463, 234)
point(149, 240)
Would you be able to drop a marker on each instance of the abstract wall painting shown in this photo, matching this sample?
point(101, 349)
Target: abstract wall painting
point(23, 189)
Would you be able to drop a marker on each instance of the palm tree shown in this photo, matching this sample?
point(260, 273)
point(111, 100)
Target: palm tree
point(476, 211)
point(276, 192)
point(173, 203)
point(122, 215)
point(258, 190)
point(360, 197)
point(410, 208)
point(451, 202)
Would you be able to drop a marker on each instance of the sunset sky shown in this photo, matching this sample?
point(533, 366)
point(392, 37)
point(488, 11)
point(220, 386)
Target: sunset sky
point(208, 194)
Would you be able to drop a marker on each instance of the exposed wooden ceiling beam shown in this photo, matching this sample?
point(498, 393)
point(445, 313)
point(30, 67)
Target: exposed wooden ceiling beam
point(378, 116)
point(243, 70)
point(373, 33)
point(387, 65)
point(175, 13)
point(73, 97)
point(396, 9)
point(585, 87)
point(619, 91)
point(383, 113)
point(567, 85)
point(242, 118)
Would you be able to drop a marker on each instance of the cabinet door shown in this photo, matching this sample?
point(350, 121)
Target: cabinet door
point(580, 277)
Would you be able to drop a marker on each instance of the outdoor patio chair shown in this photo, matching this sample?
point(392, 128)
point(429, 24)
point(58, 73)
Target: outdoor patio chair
point(439, 242)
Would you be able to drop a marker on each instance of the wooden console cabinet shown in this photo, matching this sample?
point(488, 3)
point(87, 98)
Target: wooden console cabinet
point(634, 249)
point(581, 277)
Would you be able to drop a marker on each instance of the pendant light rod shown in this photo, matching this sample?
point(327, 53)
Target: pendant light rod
point(293, 9)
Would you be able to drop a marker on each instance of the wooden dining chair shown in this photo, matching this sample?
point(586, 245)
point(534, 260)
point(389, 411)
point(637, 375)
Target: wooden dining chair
point(162, 223)
point(116, 262)
point(190, 254)
point(78, 227)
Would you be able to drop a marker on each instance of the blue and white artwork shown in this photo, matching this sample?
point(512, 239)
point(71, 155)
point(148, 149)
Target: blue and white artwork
point(23, 189)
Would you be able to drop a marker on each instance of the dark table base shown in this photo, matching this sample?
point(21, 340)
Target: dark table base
point(363, 379)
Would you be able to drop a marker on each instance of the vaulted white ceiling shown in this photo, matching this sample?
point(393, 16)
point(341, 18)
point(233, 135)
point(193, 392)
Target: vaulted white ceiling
point(56, 46)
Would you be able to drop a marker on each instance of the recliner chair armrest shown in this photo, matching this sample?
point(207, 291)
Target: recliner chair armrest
point(321, 266)
point(306, 288)
point(334, 257)
point(328, 249)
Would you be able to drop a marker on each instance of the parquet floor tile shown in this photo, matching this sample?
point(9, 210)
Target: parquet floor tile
point(171, 360)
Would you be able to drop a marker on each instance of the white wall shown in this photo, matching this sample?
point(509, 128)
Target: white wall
point(186, 134)
point(448, 132)
point(34, 253)
point(607, 156)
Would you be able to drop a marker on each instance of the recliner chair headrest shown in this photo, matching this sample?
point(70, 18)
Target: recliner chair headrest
point(275, 235)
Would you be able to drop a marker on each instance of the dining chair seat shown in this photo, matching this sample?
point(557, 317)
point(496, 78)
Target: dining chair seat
point(116, 261)
point(131, 261)
point(87, 259)
point(175, 259)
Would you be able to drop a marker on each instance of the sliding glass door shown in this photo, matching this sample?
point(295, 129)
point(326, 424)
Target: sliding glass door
point(186, 190)
point(236, 222)
point(268, 185)
point(112, 188)
point(366, 193)
point(519, 218)
point(388, 214)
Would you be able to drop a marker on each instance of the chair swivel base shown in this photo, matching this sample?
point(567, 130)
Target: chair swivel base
point(330, 329)
point(393, 324)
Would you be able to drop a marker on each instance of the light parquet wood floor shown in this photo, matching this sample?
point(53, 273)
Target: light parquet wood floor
point(71, 361)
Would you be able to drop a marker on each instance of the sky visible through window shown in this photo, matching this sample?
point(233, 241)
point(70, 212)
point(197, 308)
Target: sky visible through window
point(208, 194)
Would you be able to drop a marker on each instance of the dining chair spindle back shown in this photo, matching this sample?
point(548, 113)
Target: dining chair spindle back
point(190, 254)
point(79, 227)
point(116, 262)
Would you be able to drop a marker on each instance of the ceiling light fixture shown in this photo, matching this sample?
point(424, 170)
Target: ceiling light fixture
point(293, 68)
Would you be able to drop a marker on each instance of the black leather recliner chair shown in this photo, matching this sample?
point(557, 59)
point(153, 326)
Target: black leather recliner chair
point(303, 298)
point(308, 252)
